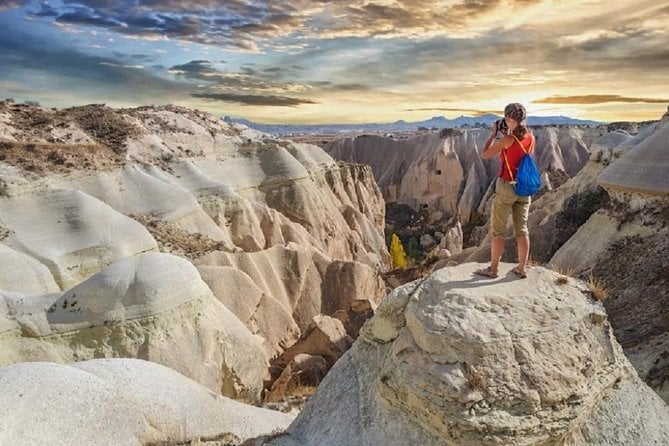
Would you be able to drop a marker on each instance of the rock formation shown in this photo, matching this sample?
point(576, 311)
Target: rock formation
point(462, 360)
point(609, 223)
point(627, 243)
point(120, 401)
point(150, 306)
point(266, 221)
point(61, 228)
point(278, 291)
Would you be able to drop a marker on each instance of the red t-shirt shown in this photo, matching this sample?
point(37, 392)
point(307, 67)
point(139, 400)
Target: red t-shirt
point(514, 154)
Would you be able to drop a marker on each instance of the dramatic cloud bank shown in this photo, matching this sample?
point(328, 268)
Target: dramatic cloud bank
point(322, 61)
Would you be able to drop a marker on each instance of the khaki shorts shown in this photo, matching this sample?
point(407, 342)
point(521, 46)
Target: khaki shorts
point(505, 202)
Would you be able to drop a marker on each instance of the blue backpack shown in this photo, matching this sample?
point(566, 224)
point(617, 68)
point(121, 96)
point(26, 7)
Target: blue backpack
point(528, 178)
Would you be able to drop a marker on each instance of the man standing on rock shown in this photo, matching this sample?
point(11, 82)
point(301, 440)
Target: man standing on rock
point(516, 140)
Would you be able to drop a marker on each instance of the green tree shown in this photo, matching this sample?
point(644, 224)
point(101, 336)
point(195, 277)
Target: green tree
point(397, 254)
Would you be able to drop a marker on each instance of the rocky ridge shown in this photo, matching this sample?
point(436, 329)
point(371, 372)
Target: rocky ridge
point(627, 241)
point(83, 189)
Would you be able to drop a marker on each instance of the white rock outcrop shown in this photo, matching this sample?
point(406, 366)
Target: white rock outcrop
point(24, 274)
point(85, 189)
point(644, 168)
point(457, 359)
point(150, 306)
point(120, 402)
point(278, 291)
point(71, 233)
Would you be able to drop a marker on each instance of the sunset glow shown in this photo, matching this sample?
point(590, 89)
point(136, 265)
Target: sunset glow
point(309, 61)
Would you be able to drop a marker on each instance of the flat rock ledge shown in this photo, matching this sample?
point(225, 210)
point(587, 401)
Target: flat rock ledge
point(458, 359)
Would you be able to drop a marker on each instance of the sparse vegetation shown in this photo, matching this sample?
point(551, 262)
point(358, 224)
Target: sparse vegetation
point(277, 433)
point(475, 378)
point(562, 280)
point(175, 240)
point(533, 261)
point(104, 124)
point(564, 275)
point(43, 157)
point(597, 289)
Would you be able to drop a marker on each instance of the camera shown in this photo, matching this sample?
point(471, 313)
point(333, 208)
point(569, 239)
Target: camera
point(501, 126)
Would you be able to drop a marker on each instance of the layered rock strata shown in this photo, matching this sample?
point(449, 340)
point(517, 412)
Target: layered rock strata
point(85, 188)
point(150, 306)
point(457, 359)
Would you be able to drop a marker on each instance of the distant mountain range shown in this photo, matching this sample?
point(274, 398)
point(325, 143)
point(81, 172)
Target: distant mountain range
point(402, 126)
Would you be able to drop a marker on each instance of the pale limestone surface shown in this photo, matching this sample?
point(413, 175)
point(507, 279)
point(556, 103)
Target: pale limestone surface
point(232, 185)
point(6, 127)
point(24, 274)
point(278, 291)
point(150, 306)
point(457, 359)
point(72, 233)
point(182, 182)
point(266, 191)
point(644, 168)
point(119, 402)
point(135, 190)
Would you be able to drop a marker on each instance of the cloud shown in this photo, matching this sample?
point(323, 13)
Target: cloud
point(117, 65)
point(598, 99)
point(146, 58)
point(12, 4)
point(247, 78)
point(375, 56)
point(247, 25)
point(85, 17)
point(30, 59)
point(469, 111)
point(235, 24)
point(273, 101)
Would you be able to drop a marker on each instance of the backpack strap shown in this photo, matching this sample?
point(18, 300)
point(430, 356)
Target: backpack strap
point(531, 149)
point(506, 160)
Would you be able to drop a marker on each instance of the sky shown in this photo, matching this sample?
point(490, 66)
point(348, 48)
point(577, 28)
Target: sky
point(334, 61)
